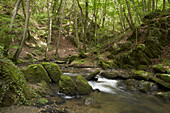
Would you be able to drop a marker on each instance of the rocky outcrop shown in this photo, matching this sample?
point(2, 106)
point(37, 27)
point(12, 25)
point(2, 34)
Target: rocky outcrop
point(13, 86)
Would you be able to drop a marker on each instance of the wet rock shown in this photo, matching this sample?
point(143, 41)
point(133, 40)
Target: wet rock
point(53, 70)
point(89, 101)
point(109, 74)
point(140, 75)
point(116, 74)
point(165, 95)
point(92, 76)
point(136, 85)
point(67, 85)
point(60, 101)
point(165, 77)
point(83, 86)
point(36, 72)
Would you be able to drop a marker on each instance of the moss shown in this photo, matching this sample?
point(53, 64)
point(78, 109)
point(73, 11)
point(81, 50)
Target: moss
point(53, 71)
point(83, 86)
point(67, 85)
point(109, 75)
point(36, 73)
point(13, 86)
point(72, 58)
point(159, 68)
point(161, 82)
point(140, 74)
point(43, 88)
point(108, 65)
point(165, 77)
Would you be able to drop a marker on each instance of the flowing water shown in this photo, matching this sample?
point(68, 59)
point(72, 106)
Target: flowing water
point(111, 99)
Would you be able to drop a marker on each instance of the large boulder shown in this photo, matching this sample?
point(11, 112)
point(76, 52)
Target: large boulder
point(83, 86)
point(36, 72)
point(108, 65)
point(13, 86)
point(67, 85)
point(160, 82)
point(53, 70)
point(140, 74)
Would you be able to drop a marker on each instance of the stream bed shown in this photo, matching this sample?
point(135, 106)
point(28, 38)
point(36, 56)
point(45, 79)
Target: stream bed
point(108, 97)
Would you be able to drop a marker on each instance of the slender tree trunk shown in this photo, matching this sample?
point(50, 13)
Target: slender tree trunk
point(58, 12)
point(156, 4)
point(131, 27)
point(17, 53)
point(86, 22)
point(6, 46)
point(82, 23)
point(75, 22)
point(104, 14)
point(113, 24)
point(137, 13)
point(164, 2)
point(121, 16)
point(129, 13)
point(61, 22)
point(153, 5)
point(149, 5)
point(48, 37)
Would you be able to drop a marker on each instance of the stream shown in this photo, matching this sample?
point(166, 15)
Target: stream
point(107, 98)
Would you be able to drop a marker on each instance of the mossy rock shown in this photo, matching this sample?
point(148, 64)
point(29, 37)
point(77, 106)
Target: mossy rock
point(13, 86)
point(36, 73)
point(141, 75)
point(109, 75)
point(92, 76)
point(161, 82)
point(159, 68)
point(165, 77)
point(83, 86)
point(108, 65)
point(39, 101)
point(67, 85)
point(53, 70)
point(165, 95)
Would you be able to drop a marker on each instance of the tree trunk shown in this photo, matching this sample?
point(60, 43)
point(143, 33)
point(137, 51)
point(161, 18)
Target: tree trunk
point(156, 4)
point(164, 2)
point(17, 53)
point(61, 22)
point(153, 5)
point(48, 37)
point(129, 13)
point(6, 46)
point(104, 14)
point(75, 25)
point(149, 5)
point(82, 22)
point(131, 27)
point(86, 22)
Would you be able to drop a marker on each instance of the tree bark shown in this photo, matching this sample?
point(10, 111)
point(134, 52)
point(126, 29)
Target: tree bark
point(153, 5)
point(6, 46)
point(129, 13)
point(61, 22)
point(48, 37)
point(17, 53)
point(86, 22)
point(149, 5)
point(164, 3)
point(156, 4)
